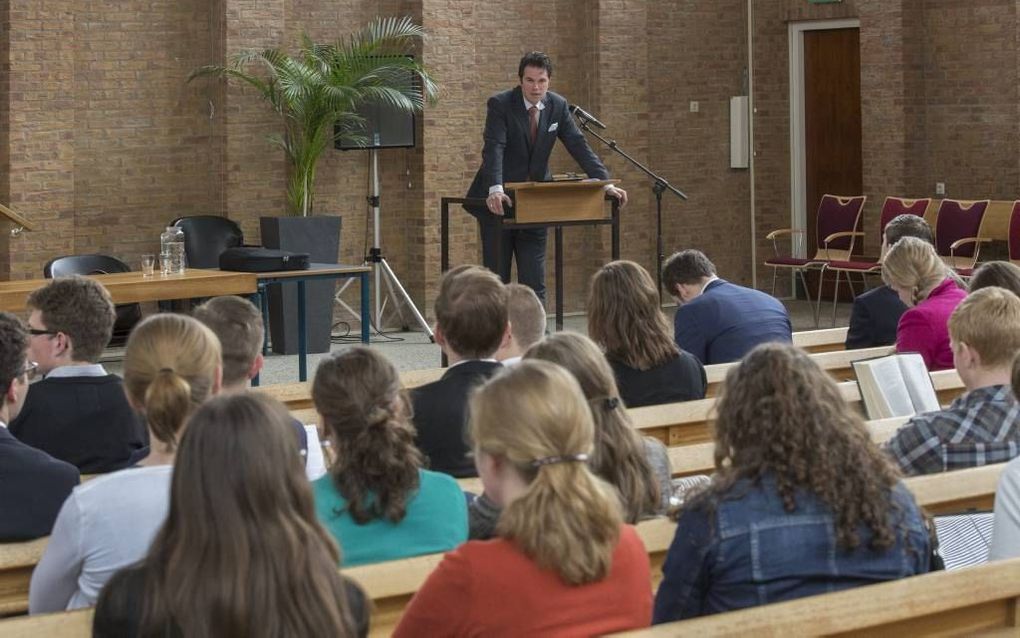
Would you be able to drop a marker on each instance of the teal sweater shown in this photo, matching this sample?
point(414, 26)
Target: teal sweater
point(436, 521)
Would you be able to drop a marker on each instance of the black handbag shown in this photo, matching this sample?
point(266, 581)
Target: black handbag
point(257, 259)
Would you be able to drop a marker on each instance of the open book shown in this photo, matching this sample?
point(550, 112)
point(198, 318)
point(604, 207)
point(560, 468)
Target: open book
point(895, 385)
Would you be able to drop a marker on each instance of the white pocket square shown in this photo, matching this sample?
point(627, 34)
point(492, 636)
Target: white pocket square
point(555, 125)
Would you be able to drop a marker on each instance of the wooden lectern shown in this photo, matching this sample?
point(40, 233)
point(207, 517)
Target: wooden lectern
point(543, 205)
point(555, 202)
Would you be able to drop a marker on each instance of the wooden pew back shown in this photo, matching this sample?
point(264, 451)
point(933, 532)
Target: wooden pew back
point(956, 603)
point(297, 395)
point(390, 585)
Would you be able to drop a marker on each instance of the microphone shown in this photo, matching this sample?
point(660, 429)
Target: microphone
point(585, 115)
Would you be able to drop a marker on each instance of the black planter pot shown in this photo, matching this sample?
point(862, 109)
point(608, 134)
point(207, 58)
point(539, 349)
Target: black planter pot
point(319, 236)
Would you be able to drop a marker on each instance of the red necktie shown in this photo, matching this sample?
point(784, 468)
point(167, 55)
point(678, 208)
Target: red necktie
point(533, 113)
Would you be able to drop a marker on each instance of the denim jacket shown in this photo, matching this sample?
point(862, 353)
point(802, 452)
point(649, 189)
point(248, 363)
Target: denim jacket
point(750, 552)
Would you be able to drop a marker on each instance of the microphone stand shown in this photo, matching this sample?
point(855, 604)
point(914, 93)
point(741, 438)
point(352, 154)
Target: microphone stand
point(659, 186)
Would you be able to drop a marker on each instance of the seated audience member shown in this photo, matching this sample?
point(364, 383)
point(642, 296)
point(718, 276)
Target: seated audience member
point(637, 466)
point(527, 323)
point(817, 509)
point(877, 312)
point(33, 485)
point(237, 323)
point(918, 275)
point(78, 413)
point(983, 425)
point(716, 321)
point(377, 501)
point(625, 319)
point(996, 273)
point(564, 562)
point(238, 465)
point(1006, 526)
point(171, 365)
point(471, 325)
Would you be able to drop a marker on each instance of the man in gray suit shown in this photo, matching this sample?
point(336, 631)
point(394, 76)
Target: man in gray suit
point(521, 126)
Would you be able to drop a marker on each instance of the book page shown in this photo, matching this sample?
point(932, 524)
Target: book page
point(883, 388)
point(918, 382)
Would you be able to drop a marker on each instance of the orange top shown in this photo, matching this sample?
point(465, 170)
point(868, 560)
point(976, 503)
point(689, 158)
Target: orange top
point(490, 588)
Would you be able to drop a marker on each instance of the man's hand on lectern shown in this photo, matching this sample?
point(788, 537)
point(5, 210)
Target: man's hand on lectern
point(618, 193)
point(494, 202)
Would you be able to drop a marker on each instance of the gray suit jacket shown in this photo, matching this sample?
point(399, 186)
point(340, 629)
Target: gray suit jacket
point(508, 155)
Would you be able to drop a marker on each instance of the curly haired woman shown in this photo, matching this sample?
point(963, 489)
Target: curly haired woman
point(802, 502)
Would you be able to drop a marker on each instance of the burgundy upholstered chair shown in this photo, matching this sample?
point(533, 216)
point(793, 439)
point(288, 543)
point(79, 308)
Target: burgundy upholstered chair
point(892, 207)
point(1014, 233)
point(956, 233)
point(838, 227)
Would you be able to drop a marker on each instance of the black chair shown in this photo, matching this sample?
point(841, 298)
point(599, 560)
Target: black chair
point(127, 314)
point(206, 237)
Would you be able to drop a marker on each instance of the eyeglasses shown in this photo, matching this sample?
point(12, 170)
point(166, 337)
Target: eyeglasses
point(30, 370)
point(38, 331)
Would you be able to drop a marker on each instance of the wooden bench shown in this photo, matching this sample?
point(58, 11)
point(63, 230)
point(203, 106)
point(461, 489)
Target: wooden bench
point(825, 340)
point(699, 458)
point(687, 422)
point(297, 395)
point(964, 602)
point(390, 585)
point(839, 365)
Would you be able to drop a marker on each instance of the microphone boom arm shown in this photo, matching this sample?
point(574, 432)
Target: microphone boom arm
point(659, 186)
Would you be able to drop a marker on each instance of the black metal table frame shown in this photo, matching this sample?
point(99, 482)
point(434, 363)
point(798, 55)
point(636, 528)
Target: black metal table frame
point(613, 221)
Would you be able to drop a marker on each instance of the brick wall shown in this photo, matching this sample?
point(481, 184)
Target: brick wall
point(102, 142)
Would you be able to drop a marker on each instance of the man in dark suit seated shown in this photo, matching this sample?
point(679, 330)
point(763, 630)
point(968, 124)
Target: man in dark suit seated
point(78, 412)
point(33, 485)
point(877, 312)
point(718, 321)
point(471, 324)
point(521, 128)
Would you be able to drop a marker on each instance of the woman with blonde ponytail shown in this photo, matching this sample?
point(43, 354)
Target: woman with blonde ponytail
point(171, 365)
point(923, 282)
point(564, 562)
point(377, 501)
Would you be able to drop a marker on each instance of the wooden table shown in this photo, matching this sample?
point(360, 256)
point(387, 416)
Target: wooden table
point(314, 272)
point(133, 287)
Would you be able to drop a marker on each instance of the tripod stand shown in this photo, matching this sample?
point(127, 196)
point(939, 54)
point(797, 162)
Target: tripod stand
point(380, 267)
point(659, 186)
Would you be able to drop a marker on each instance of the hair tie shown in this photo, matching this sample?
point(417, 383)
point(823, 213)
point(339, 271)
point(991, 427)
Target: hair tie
point(170, 370)
point(611, 403)
point(566, 458)
point(377, 416)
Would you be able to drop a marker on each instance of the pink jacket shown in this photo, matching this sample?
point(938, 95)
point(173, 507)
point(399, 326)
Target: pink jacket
point(924, 328)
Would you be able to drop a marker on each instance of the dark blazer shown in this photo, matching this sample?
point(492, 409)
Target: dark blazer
point(508, 156)
point(874, 318)
point(33, 486)
point(726, 321)
point(85, 421)
point(440, 416)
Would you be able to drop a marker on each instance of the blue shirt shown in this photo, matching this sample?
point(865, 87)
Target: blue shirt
point(726, 321)
point(436, 521)
point(750, 551)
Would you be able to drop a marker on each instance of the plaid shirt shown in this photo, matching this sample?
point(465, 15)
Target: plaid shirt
point(979, 428)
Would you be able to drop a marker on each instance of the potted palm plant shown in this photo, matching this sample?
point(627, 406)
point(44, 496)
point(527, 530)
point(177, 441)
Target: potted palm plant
point(317, 93)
